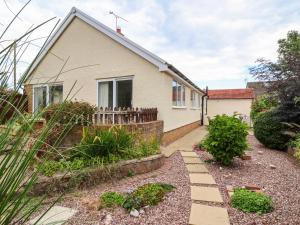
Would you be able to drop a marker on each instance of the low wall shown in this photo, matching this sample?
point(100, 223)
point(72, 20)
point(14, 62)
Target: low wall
point(146, 130)
point(93, 176)
point(175, 134)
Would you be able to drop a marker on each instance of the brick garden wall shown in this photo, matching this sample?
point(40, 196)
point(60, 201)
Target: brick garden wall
point(147, 130)
point(28, 92)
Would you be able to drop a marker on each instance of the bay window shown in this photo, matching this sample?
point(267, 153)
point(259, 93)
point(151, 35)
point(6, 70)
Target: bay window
point(178, 94)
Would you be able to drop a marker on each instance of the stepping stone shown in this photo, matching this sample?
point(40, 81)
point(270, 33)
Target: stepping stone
point(189, 154)
point(208, 215)
point(209, 194)
point(192, 160)
point(201, 178)
point(196, 168)
point(56, 215)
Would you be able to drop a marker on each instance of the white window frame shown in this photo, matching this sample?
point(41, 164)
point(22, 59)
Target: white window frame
point(182, 102)
point(47, 92)
point(195, 99)
point(114, 80)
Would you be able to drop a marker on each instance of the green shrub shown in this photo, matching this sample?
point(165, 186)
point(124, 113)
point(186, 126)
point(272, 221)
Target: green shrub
point(69, 112)
point(111, 200)
point(226, 138)
point(262, 104)
point(103, 143)
point(270, 132)
point(296, 144)
point(148, 194)
point(249, 201)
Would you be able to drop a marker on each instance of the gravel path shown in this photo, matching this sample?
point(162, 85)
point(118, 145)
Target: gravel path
point(174, 209)
point(282, 184)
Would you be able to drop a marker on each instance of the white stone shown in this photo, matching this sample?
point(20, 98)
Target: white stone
point(108, 219)
point(142, 211)
point(260, 152)
point(134, 213)
point(272, 166)
point(56, 215)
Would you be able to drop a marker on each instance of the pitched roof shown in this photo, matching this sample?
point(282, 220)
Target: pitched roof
point(162, 65)
point(245, 93)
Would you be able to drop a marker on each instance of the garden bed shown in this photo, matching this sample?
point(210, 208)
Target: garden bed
point(275, 172)
point(174, 209)
point(91, 176)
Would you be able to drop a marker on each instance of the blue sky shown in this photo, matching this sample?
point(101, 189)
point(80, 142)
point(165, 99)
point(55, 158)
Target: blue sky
point(213, 42)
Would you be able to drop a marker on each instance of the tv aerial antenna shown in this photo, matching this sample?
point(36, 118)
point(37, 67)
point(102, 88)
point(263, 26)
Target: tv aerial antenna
point(117, 17)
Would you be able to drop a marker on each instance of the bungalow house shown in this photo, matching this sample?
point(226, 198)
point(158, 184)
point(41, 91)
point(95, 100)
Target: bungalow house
point(88, 60)
point(230, 101)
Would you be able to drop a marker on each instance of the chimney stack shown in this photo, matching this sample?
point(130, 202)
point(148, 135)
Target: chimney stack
point(119, 31)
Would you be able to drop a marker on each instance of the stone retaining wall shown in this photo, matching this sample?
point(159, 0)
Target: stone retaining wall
point(92, 176)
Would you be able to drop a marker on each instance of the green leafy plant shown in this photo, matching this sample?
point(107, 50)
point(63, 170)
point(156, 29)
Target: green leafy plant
point(226, 138)
point(148, 194)
point(249, 201)
point(262, 104)
point(103, 143)
point(270, 132)
point(111, 200)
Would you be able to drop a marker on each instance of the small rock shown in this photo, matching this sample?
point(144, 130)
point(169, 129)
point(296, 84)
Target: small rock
point(272, 166)
point(221, 168)
point(259, 163)
point(134, 213)
point(142, 211)
point(108, 219)
point(260, 152)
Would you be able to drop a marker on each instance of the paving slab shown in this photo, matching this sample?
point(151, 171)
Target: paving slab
point(208, 215)
point(192, 160)
point(196, 168)
point(201, 178)
point(209, 194)
point(189, 154)
point(57, 215)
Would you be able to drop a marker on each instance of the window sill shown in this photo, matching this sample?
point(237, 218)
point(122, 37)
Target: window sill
point(178, 107)
point(195, 108)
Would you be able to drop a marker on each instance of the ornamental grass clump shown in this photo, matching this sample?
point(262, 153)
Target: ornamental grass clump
point(248, 201)
point(226, 138)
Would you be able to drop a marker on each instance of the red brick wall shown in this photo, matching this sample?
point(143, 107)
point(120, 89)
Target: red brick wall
point(28, 92)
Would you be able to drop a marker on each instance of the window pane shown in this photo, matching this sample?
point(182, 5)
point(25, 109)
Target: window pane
point(55, 94)
point(124, 93)
point(183, 95)
point(174, 92)
point(179, 90)
point(40, 98)
point(105, 94)
point(199, 101)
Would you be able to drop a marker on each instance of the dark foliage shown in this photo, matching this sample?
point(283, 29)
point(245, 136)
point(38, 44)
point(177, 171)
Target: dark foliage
point(270, 132)
point(283, 78)
point(70, 112)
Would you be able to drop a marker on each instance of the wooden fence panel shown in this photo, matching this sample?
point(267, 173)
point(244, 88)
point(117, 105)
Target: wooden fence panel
point(124, 115)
